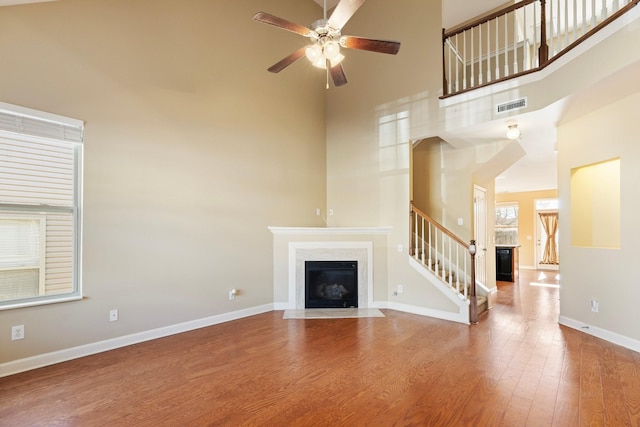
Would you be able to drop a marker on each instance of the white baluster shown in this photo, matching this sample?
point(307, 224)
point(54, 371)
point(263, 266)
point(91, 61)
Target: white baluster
point(604, 13)
point(464, 60)
point(575, 21)
point(488, 51)
point(458, 267)
point(422, 241)
point(457, 66)
point(566, 23)
point(480, 54)
point(450, 261)
point(558, 27)
point(466, 256)
point(526, 60)
point(449, 68)
point(497, 55)
point(536, 45)
point(506, 47)
point(584, 17)
point(434, 264)
point(472, 81)
point(551, 28)
point(616, 6)
point(442, 257)
point(415, 237)
point(430, 245)
point(515, 42)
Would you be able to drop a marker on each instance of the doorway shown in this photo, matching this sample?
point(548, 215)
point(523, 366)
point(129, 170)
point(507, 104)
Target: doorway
point(480, 231)
point(547, 224)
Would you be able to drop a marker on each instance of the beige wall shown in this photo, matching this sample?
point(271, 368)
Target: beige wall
point(527, 221)
point(191, 150)
point(608, 275)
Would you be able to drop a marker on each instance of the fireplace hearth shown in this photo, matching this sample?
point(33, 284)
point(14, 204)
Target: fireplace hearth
point(331, 284)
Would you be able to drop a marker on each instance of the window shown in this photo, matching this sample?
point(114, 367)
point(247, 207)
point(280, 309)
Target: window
point(506, 224)
point(40, 201)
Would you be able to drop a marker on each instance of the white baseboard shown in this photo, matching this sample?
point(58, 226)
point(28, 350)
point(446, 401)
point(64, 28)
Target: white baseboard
point(26, 364)
point(459, 317)
point(604, 334)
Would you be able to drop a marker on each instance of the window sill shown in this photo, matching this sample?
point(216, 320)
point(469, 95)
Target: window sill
point(9, 305)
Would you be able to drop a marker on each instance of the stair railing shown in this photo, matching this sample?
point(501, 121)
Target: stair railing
point(446, 255)
point(520, 39)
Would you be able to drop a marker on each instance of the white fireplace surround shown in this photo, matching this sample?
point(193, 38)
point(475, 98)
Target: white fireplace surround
point(299, 252)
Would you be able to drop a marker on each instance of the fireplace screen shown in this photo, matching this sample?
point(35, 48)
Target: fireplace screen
point(331, 284)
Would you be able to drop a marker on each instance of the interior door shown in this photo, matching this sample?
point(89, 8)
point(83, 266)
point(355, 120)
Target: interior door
point(480, 231)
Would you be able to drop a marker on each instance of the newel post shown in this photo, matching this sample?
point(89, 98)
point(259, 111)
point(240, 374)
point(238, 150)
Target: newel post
point(473, 300)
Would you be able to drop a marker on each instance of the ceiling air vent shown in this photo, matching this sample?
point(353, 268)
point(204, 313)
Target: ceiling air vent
point(512, 105)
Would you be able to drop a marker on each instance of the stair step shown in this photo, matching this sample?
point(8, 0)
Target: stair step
point(481, 302)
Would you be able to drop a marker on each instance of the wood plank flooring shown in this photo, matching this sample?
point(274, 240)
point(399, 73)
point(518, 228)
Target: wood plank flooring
point(517, 367)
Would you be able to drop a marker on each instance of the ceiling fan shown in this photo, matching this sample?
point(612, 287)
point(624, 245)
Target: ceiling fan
point(326, 40)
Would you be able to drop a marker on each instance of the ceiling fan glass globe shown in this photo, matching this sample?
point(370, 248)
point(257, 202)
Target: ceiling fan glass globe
point(314, 53)
point(331, 50)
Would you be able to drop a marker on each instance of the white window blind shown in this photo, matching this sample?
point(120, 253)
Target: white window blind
point(25, 121)
point(40, 201)
point(20, 243)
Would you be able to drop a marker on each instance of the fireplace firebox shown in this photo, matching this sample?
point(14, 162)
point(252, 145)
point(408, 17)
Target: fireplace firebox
point(331, 284)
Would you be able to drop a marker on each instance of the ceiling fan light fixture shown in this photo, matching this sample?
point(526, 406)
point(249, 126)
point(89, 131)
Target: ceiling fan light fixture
point(336, 60)
point(331, 51)
point(314, 53)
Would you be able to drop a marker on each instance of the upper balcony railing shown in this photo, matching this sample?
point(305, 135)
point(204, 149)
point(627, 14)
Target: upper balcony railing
point(513, 41)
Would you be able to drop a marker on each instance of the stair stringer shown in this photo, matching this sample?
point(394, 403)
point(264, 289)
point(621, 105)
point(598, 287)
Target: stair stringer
point(462, 316)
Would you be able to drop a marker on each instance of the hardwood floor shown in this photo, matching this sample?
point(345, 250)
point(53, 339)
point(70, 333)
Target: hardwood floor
point(516, 367)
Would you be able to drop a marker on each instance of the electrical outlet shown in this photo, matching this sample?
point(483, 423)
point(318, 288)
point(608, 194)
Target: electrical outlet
point(232, 294)
point(594, 305)
point(318, 211)
point(17, 332)
point(113, 315)
point(400, 289)
point(330, 212)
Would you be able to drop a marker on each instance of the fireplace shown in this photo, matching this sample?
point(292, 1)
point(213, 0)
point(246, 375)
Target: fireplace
point(331, 284)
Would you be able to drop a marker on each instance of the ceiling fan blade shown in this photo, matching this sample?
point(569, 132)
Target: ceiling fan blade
point(282, 23)
point(361, 43)
point(343, 12)
point(338, 76)
point(285, 62)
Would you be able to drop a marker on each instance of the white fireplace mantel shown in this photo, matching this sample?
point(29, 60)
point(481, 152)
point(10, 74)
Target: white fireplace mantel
point(325, 244)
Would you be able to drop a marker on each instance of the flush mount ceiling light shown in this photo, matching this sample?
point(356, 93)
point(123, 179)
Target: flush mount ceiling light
point(512, 130)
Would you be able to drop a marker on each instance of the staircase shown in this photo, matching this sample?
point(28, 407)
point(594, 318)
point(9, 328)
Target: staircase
point(447, 260)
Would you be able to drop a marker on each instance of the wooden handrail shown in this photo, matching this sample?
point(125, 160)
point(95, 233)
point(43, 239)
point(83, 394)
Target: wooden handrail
point(484, 18)
point(440, 227)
